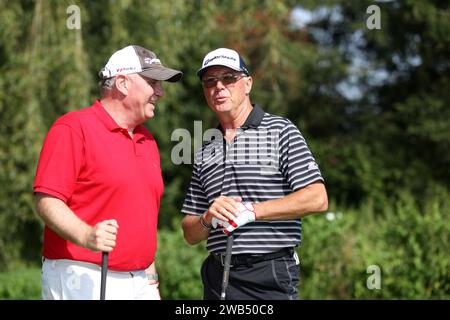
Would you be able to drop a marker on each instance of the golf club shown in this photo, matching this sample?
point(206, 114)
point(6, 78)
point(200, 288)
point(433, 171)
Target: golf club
point(226, 267)
point(104, 273)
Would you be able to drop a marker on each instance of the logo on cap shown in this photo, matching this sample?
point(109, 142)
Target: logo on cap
point(125, 69)
point(217, 57)
point(152, 61)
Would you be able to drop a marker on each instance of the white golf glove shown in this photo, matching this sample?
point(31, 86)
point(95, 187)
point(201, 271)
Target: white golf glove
point(216, 223)
point(245, 215)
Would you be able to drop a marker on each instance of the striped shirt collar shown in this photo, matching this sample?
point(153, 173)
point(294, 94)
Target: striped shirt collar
point(253, 120)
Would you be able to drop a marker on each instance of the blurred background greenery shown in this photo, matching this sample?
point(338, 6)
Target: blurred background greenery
point(373, 105)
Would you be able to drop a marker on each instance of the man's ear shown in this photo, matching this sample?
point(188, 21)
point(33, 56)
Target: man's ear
point(248, 85)
point(121, 84)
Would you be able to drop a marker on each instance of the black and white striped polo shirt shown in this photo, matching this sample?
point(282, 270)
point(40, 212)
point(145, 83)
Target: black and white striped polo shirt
point(268, 159)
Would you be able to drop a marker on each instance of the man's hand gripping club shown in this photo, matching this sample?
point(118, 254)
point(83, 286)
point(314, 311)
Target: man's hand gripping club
point(244, 215)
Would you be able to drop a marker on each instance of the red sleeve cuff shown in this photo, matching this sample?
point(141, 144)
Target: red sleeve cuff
point(51, 192)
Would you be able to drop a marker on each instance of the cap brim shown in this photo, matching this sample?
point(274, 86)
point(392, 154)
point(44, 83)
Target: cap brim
point(162, 73)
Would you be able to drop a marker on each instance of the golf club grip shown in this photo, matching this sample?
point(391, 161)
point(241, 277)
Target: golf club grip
point(104, 273)
point(226, 267)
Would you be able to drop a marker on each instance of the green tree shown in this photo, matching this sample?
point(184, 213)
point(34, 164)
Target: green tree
point(372, 104)
point(43, 76)
point(392, 134)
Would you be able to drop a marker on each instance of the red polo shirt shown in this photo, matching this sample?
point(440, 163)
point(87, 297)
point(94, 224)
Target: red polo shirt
point(100, 172)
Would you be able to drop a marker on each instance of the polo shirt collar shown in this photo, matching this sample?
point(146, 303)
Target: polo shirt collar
point(253, 120)
point(104, 116)
point(111, 125)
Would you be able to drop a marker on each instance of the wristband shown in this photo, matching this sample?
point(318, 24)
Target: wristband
point(204, 223)
point(152, 276)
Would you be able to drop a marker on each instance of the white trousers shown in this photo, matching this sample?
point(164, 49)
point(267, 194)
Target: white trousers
point(75, 280)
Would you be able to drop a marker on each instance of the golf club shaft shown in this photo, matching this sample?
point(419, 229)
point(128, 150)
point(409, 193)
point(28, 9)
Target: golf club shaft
point(104, 273)
point(226, 267)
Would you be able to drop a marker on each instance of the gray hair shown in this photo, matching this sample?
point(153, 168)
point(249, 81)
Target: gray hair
point(106, 85)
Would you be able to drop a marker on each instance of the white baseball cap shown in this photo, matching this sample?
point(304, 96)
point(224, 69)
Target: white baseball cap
point(223, 57)
point(135, 59)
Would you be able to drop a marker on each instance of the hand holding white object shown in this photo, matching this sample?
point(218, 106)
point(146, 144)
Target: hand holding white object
point(216, 223)
point(245, 215)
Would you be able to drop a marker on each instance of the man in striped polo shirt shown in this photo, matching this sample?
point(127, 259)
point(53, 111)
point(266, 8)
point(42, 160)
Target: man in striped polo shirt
point(256, 178)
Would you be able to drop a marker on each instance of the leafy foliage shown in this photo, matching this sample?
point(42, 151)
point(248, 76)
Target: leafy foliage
point(372, 104)
point(21, 284)
point(407, 241)
point(179, 268)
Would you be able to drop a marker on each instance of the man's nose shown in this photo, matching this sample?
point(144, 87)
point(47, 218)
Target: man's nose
point(219, 84)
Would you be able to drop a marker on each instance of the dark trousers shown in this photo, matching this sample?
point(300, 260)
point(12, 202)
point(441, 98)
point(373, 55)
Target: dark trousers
point(275, 279)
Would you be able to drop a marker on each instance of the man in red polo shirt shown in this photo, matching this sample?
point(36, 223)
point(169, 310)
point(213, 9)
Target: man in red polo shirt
point(98, 186)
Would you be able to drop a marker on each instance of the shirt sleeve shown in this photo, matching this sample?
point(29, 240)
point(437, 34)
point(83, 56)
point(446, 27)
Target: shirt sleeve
point(60, 162)
point(297, 163)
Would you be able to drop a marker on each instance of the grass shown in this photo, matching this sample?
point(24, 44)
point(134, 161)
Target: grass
point(21, 284)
